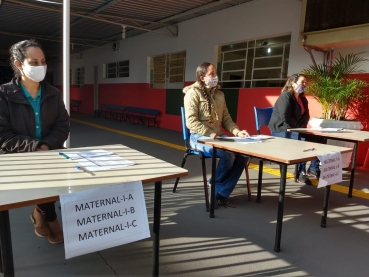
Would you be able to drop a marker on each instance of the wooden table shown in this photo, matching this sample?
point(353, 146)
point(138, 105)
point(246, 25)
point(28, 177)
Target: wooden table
point(40, 177)
point(343, 135)
point(277, 150)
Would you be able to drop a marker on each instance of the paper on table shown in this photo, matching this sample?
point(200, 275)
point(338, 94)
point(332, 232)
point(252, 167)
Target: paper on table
point(325, 129)
point(261, 137)
point(98, 160)
point(246, 140)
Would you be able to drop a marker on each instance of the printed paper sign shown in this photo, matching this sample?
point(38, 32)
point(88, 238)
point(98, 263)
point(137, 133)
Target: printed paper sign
point(331, 170)
point(102, 218)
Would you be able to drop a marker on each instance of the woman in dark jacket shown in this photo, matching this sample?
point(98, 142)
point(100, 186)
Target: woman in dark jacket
point(33, 118)
point(291, 111)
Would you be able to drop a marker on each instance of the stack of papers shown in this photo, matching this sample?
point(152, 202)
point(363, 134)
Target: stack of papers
point(97, 160)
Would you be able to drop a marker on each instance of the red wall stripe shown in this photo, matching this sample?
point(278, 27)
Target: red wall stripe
point(140, 95)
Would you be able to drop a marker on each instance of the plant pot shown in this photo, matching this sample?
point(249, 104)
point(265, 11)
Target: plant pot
point(345, 124)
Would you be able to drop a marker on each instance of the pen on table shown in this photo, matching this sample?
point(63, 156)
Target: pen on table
point(85, 170)
point(64, 155)
point(310, 149)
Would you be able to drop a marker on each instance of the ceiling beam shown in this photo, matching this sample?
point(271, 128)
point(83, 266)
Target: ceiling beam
point(97, 10)
point(196, 10)
point(76, 41)
point(186, 13)
point(93, 16)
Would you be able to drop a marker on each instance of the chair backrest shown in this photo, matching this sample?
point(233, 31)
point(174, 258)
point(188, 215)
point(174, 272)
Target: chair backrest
point(186, 132)
point(262, 117)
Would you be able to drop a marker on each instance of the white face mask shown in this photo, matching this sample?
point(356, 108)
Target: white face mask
point(211, 82)
point(35, 73)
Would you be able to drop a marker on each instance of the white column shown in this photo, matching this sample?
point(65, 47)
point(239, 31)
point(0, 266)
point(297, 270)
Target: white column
point(66, 58)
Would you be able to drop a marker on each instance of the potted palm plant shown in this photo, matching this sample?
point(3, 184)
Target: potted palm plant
point(339, 95)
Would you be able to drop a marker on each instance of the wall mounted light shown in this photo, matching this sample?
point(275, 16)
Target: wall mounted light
point(303, 39)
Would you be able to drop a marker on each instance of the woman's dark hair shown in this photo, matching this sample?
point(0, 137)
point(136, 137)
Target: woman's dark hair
point(18, 53)
point(201, 72)
point(293, 79)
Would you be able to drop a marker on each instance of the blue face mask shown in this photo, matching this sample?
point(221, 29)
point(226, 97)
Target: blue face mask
point(300, 88)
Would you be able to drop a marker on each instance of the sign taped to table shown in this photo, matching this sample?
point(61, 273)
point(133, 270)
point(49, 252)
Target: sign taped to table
point(102, 218)
point(331, 169)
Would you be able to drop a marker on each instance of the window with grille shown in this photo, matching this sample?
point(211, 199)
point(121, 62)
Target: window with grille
point(80, 77)
point(117, 69)
point(254, 63)
point(168, 71)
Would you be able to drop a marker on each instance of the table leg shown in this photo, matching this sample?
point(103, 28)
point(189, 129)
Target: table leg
point(260, 180)
point(213, 176)
point(1, 262)
point(297, 173)
point(323, 224)
point(282, 190)
point(6, 245)
point(156, 228)
point(353, 166)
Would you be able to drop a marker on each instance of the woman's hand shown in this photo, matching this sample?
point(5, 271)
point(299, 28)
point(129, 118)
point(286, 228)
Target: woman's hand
point(243, 134)
point(43, 147)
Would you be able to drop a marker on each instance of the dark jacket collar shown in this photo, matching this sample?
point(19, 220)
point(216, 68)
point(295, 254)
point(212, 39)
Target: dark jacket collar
point(14, 90)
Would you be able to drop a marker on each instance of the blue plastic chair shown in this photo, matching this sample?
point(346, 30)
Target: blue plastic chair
point(262, 117)
point(203, 156)
point(190, 152)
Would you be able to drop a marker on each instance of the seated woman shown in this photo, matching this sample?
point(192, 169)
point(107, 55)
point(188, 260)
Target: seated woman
point(33, 118)
point(291, 111)
point(206, 113)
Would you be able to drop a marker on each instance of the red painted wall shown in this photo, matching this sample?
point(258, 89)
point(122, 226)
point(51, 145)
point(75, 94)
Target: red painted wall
point(135, 95)
point(86, 95)
point(140, 95)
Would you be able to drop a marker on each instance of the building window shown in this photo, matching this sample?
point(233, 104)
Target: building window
point(254, 63)
point(167, 71)
point(117, 69)
point(80, 77)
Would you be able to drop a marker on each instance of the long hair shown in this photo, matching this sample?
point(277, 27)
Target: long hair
point(201, 72)
point(18, 53)
point(293, 79)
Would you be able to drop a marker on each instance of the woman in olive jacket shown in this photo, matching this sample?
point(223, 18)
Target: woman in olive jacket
point(206, 113)
point(33, 118)
point(291, 111)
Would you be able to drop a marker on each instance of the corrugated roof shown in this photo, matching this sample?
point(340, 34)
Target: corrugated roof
point(31, 18)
